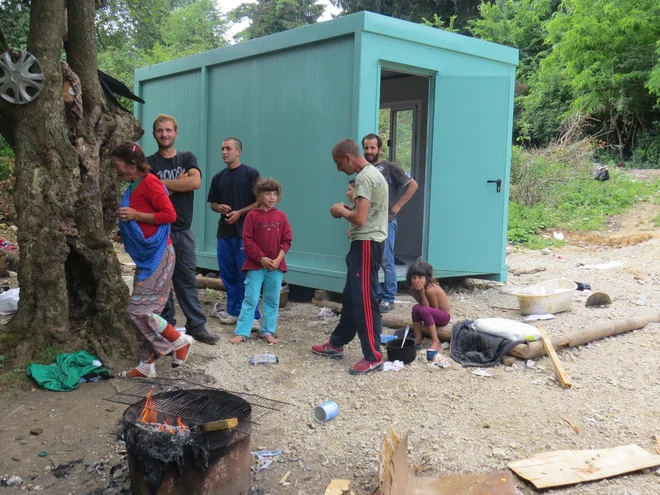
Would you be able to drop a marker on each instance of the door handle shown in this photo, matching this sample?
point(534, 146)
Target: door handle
point(498, 182)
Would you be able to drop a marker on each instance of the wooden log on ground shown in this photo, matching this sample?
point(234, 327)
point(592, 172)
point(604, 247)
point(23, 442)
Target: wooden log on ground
point(209, 283)
point(589, 334)
point(533, 349)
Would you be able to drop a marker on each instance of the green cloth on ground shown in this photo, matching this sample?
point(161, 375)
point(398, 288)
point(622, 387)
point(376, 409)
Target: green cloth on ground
point(65, 374)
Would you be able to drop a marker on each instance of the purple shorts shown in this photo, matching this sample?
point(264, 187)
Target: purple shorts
point(430, 316)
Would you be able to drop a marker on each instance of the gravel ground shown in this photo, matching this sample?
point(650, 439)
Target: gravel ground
point(459, 422)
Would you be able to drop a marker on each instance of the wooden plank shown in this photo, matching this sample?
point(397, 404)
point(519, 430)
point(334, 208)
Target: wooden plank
point(223, 424)
point(564, 381)
point(568, 467)
point(285, 478)
point(337, 487)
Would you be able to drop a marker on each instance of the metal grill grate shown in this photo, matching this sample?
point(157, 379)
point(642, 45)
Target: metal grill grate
point(196, 403)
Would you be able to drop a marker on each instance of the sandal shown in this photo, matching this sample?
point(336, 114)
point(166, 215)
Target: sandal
point(142, 370)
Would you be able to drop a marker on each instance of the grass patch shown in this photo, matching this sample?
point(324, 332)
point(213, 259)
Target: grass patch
point(47, 355)
point(15, 379)
point(554, 188)
point(656, 221)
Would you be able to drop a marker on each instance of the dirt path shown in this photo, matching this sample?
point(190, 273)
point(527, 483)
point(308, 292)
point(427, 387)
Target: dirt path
point(458, 422)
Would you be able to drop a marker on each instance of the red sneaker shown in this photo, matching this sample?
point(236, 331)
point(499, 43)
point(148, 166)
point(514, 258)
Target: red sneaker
point(364, 367)
point(327, 350)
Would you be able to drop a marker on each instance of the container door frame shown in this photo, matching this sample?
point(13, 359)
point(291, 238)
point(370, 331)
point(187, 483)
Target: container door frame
point(432, 74)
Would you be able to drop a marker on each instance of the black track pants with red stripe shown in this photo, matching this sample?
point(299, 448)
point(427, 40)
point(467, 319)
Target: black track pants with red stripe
point(360, 313)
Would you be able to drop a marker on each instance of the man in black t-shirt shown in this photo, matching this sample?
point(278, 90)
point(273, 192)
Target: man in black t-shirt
point(178, 171)
point(231, 194)
point(398, 180)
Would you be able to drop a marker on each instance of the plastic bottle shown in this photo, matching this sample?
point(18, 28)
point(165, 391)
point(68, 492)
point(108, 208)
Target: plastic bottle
point(265, 359)
point(440, 361)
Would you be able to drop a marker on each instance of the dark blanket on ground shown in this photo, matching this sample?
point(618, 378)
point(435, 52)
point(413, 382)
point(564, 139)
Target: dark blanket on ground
point(472, 348)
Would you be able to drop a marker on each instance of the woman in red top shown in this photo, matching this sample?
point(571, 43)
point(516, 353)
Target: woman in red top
point(266, 239)
point(145, 216)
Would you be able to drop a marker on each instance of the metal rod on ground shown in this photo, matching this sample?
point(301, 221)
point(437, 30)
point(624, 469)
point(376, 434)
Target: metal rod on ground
point(533, 349)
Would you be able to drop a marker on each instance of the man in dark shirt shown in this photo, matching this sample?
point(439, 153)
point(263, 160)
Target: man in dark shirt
point(231, 194)
point(178, 172)
point(397, 180)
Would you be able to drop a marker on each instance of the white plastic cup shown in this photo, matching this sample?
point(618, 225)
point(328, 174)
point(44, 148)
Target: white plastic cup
point(326, 411)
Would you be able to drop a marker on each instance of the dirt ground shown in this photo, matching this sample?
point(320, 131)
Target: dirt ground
point(458, 422)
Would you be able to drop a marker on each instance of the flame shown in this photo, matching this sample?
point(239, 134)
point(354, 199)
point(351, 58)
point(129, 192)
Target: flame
point(149, 412)
point(181, 425)
point(149, 415)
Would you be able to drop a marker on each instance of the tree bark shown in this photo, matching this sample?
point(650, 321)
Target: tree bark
point(67, 195)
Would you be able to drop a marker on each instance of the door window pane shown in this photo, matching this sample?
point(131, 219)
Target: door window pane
point(403, 128)
point(384, 125)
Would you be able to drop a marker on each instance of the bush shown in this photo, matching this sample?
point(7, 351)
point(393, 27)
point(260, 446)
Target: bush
point(536, 173)
point(554, 188)
point(647, 152)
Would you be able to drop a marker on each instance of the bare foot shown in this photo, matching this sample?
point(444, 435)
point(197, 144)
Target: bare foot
point(270, 339)
point(237, 340)
point(435, 345)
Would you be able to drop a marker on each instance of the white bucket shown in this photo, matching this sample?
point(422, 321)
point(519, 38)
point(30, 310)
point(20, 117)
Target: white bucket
point(551, 296)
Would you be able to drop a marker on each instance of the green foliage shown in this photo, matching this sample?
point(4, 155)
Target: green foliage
point(14, 22)
point(542, 111)
point(437, 22)
point(587, 67)
point(647, 151)
point(565, 195)
point(274, 16)
point(137, 33)
point(516, 23)
point(607, 49)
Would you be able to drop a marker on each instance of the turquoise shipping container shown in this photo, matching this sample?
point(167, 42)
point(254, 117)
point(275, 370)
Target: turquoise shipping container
point(442, 102)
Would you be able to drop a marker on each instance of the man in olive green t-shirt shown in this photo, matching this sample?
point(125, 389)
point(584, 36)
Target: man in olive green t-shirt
point(368, 230)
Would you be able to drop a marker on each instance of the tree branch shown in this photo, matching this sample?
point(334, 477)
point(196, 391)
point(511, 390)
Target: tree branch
point(81, 49)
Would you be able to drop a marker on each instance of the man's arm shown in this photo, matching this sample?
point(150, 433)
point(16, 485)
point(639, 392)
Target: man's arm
point(220, 208)
point(358, 216)
point(235, 215)
point(410, 190)
point(187, 181)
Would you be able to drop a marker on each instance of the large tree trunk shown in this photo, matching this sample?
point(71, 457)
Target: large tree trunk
point(67, 195)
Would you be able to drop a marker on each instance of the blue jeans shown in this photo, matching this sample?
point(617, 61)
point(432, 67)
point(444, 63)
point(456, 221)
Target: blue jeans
point(271, 280)
point(387, 290)
point(230, 262)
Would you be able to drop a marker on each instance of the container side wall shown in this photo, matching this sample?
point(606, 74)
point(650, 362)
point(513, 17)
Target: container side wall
point(289, 108)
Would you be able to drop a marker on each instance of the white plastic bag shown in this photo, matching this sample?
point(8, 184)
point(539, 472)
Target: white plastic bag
point(9, 302)
point(510, 329)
